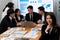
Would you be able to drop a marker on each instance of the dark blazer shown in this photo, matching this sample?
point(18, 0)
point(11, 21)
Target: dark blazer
point(21, 17)
point(6, 22)
point(36, 17)
point(54, 35)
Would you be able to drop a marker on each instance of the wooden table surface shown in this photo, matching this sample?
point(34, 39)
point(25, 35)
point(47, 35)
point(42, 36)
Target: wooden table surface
point(28, 30)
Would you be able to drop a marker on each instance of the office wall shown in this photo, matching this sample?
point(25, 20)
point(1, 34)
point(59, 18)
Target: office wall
point(56, 8)
point(15, 3)
point(58, 11)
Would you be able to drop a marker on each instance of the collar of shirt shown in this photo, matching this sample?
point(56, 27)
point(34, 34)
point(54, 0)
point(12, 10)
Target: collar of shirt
point(10, 18)
point(50, 29)
point(43, 17)
point(18, 17)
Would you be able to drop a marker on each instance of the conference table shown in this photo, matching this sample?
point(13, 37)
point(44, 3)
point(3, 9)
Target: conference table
point(26, 29)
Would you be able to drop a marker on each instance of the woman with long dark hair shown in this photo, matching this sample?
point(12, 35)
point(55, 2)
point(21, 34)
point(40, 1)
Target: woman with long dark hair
point(18, 15)
point(50, 31)
point(10, 5)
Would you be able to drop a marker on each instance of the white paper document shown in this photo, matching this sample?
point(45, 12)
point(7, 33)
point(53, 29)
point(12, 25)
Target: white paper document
point(7, 38)
point(18, 29)
point(40, 25)
point(12, 30)
point(35, 29)
point(18, 34)
point(31, 34)
point(8, 32)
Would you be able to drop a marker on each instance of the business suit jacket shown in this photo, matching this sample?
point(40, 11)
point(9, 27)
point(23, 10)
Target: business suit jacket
point(54, 35)
point(21, 17)
point(36, 17)
point(6, 22)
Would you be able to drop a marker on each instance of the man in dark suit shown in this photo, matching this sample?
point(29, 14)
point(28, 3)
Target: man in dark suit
point(8, 21)
point(32, 16)
point(42, 12)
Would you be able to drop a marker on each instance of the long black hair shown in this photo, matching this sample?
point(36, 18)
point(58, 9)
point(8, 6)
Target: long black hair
point(17, 10)
point(41, 8)
point(52, 17)
point(10, 11)
point(10, 5)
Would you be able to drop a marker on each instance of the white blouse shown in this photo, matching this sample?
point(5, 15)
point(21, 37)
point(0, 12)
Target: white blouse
point(43, 18)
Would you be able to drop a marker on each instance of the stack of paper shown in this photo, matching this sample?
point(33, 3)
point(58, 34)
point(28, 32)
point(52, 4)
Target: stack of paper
point(40, 25)
point(18, 34)
point(18, 29)
point(8, 32)
point(35, 29)
point(12, 30)
point(31, 34)
point(7, 38)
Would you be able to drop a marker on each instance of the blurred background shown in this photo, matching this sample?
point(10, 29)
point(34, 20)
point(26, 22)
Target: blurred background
point(49, 5)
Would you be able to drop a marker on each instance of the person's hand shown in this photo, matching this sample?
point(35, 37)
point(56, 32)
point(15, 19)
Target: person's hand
point(18, 23)
point(48, 27)
point(9, 28)
point(39, 21)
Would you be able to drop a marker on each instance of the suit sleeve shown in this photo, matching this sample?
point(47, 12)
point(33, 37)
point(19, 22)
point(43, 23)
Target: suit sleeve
point(26, 17)
point(4, 23)
point(22, 16)
point(40, 17)
point(8, 24)
point(43, 29)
